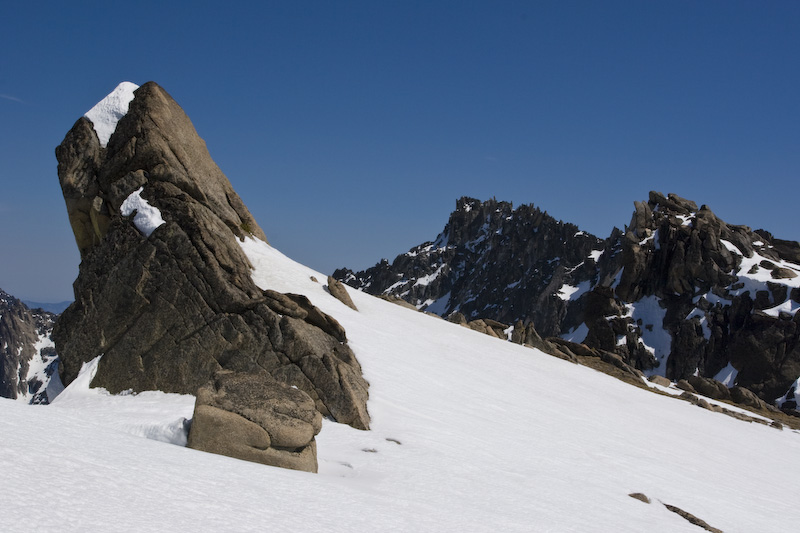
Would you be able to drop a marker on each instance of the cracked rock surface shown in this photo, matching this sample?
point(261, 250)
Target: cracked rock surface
point(171, 309)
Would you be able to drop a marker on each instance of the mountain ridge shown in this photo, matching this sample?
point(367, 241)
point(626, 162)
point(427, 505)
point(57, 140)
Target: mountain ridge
point(28, 361)
point(667, 293)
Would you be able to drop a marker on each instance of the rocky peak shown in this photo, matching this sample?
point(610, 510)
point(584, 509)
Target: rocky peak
point(678, 292)
point(491, 260)
point(696, 295)
point(154, 145)
point(28, 359)
point(164, 291)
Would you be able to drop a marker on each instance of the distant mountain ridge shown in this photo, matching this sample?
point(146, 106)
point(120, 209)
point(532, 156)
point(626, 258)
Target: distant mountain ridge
point(491, 261)
point(28, 360)
point(678, 292)
point(51, 307)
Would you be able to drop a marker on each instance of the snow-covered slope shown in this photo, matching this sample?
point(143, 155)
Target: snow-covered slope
point(469, 433)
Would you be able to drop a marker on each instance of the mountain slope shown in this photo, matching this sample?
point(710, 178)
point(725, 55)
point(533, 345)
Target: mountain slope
point(469, 433)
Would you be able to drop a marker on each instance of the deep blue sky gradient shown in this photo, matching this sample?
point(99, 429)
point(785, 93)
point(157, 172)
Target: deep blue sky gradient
point(350, 128)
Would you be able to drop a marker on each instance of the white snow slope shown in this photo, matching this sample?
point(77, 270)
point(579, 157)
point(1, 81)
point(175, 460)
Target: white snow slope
point(469, 433)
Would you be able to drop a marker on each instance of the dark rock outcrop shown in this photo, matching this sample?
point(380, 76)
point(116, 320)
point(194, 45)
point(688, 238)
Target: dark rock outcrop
point(171, 306)
point(255, 418)
point(28, 360)
point(491, 261)
point(679, 292)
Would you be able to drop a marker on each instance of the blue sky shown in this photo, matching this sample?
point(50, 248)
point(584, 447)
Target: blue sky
point(350, 128)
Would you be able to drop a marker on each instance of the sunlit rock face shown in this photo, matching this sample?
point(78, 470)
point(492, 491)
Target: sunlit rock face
point(164, 291)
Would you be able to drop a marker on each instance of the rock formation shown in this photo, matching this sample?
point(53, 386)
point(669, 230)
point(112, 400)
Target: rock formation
point(337, 290)
point(164, 290)
point(255, 418)
point(28, 361)
point(491, 261)
point(678, 292)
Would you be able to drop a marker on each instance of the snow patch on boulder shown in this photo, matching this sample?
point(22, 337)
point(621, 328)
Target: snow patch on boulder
point(147, 217)
point(107, 112)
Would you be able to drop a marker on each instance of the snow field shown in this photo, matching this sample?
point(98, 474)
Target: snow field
point(469, 433)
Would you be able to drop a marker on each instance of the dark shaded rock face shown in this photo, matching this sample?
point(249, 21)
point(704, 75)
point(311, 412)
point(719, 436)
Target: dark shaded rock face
point(491, 261)
point(170, 309)
point(678, 292)
point(28, 359)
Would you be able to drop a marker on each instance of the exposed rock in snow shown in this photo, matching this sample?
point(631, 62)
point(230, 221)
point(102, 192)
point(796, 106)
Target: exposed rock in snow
point(255, 418)
point(170, 308)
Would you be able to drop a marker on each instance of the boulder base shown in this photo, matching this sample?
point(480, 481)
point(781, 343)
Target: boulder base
point(254, 418)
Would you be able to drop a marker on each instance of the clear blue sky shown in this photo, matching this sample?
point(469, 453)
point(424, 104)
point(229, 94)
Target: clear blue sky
point(350, 128)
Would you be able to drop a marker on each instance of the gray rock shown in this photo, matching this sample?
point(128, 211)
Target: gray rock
point(457, 318)
point(783, 273)
point(709, 387)
point(747, 398)
point(660, 380)
point(692, 519)
point(337, 290)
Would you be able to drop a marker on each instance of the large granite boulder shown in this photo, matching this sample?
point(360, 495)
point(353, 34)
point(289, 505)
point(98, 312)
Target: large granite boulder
point(164, 290)
point(256, 418)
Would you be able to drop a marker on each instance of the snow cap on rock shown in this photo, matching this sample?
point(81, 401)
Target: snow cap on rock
point(107, 112)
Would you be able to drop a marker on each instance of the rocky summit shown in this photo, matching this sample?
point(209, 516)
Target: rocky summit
point(28, 361)
point(491, 261)
point(164, 293)
point(678, 292)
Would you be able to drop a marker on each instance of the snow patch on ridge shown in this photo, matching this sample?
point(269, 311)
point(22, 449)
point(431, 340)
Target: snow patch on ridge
point(42, 372)
point(577, 334)
point(438, 307)
point(571, 292)
point(426, 280)
point(701, 316)
point(147, 217)
point(792, 395)
point(107, 112)
point(727, 376)
point(753, 277)
point(655, 338)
